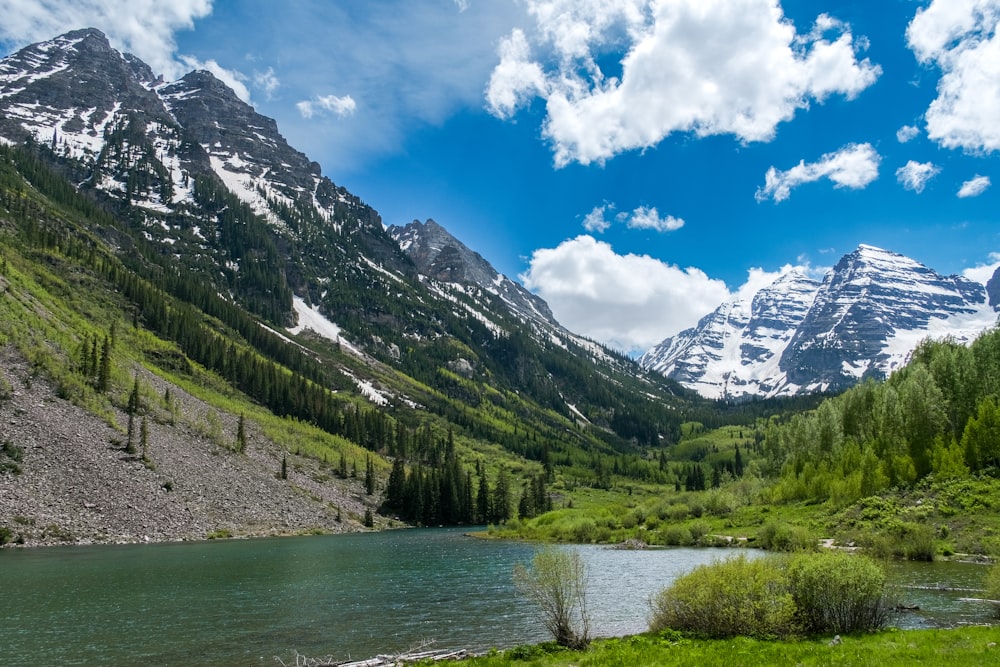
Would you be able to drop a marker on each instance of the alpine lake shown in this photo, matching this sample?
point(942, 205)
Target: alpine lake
point(248, 602)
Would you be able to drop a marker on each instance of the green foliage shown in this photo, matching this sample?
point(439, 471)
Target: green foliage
point(733, 597)
point(837, 592)
point(557, 583)
point(905, 540)
point(815, 593)
point(780, 536)
point(967, 646)
point(878, 436)
point(10, 456)
point(992, 585)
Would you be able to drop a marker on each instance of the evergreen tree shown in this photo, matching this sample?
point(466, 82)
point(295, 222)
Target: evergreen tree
point(144, 439)
point(500, 503)
point(104, 372)
point(396, 489)
point(241, 435)
point(369, 476)
point(483, 509)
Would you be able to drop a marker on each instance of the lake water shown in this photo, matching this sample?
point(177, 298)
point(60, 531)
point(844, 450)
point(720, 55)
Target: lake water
point(245, 602)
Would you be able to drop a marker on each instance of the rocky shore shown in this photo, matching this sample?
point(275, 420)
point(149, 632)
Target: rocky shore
point(77, 484)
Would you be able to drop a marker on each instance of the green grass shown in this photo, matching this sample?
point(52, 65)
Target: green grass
point(956, 648)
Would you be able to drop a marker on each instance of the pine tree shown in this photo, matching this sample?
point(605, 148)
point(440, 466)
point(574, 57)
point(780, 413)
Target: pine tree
point(500, 504)
point(144, 439)
point(241, 434)
point(284, 475)
point(483, 513)
point(369, 477)
point(396, 490)
point(104, 372)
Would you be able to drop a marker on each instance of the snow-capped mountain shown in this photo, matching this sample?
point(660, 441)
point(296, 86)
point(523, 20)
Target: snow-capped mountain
point(798, 335)
point(107, 110)
point(209, 183)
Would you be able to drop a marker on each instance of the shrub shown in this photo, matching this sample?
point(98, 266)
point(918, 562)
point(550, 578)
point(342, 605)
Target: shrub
point(678, 512)
point(909, 541)
point(698, 529)
point(557, 583)
point(779, 536)
point(837, 592)
point(676, 536)
point(728, 598)
point(992, 584)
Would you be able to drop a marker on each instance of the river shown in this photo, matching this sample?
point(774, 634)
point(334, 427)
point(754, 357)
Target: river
point(245, 602)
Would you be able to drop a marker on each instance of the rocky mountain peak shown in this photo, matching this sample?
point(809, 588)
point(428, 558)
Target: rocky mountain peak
point(797, 335)
point(440, 256)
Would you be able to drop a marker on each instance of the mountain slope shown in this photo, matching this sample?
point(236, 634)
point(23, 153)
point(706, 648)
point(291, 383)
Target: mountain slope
point(236, 265)
point(799, 336)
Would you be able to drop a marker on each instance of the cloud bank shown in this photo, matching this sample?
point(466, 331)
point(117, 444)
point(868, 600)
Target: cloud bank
point(960, 38)
point(630, 302)
point(739, 66)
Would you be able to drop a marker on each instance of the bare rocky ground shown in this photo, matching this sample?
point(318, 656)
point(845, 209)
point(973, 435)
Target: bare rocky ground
point(78, 485)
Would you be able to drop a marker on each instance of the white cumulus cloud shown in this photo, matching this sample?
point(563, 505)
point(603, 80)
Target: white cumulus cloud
point(595, 220)
point(853, 166)
point(907, 133)
point(703, 66)
point(914, 175)
point(974, 186)
point(630, 302)
point(960, 37)
point(339, 106)
point(646, 217)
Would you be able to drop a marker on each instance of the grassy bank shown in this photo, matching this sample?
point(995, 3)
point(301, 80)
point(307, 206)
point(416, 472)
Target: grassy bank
point(972, 645)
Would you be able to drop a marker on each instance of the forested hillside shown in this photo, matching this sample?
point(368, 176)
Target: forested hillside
point(938, 416)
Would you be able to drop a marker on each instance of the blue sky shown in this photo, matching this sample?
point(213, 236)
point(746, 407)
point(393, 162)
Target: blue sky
point(634, 163)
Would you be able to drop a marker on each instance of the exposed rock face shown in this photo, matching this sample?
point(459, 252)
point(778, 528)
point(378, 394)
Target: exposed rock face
point(798, 336)
point(442, 257)
point(76, 81)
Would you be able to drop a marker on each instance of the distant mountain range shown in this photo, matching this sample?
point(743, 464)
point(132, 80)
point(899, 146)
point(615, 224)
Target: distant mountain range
point(210, 182)
point(800, 335)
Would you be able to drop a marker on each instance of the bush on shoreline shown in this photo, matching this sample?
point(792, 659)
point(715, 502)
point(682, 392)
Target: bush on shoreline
point(811, 593)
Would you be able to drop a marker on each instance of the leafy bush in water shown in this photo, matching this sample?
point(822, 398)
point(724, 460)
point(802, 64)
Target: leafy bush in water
point(839, 592)
point(728, 598)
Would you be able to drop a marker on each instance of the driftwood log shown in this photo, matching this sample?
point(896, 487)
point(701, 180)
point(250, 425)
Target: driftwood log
point(409, 657)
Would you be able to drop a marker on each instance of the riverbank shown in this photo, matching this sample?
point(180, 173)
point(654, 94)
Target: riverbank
point(959, 647)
